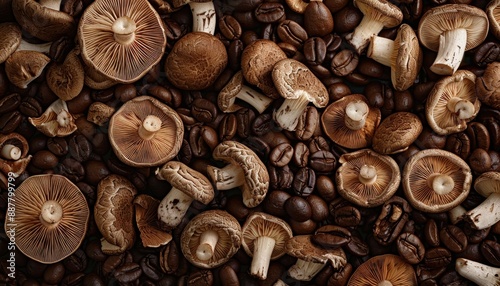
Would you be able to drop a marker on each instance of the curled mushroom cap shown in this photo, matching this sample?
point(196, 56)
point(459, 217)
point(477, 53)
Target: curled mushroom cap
point(50, 219)
point(396, 133)
point(367, 178)
point(66, 79)
point(55, 121)
point(145, 132)
point(436, 180)
point(452, 103)
point(11, 38)
point(387, 269)
point(122, 39)
point(493, 12)
point(211, 238)
point(22, 67)
point(14, 156)
point(488, 212)
point(146, 210)
point(488, 85)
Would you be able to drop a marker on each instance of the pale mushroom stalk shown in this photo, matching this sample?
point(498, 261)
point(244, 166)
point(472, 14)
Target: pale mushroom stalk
point(173, 207)
point(457, 214)
point(124, 30)
point(208, 241)
point(11, 152)
point(363, 32)
point(384, 283)
point(256, 99)
point(203, 17)
point(441, 184)
point(355, 115)
point(451, 51)
point(51, 213)
point(226, 178)
point(367, 174)
point(380, 49)
point(42, 48)
point(149, 127)
point(463, 108)
point(288, 114)
point(263, 249)
point(305, 270)
point(487, 213)
point(479, 273)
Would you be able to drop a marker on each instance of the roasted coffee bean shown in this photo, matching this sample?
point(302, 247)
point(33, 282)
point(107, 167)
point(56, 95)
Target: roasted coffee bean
point(10, 103)
point(347, 19)
point(326, 188)
point(244, 119)
point(54, 273)
point(150, 265)
point(79, 147)
point(95, 171)
point(478, 135)
point(304, 227)
point(170, 258)
point(44, 160)
point(227, 127)
point(410, 248)
point(229, 27)
point(431, 233)
point(307, 124)
point(391, 220)
point(347, 216)
point(318, 20)
point(280, 178)
point(104, 95)
point(437, 257)
point(403, 101)
point(269, 12)
point(292, 33)
point(493, 127)
point(94, 252)
point(475, 235)
point(262, 124)
point(490, 249)
point(344, 62)
point(357, 246)
point(428, 139)
point(281, 155)
point(322, 161)
point(201, 277)
point(93, 279)
point(76, 262)
point(128, 272)
point(331, 236)
point(459, 144)
point(298, 209)
point(314, 50)
point(236, 208)
point(486, 53)
point(259, 146)
point(304, 181)
point(9, 121)
point(370, 68)
point(300, 155)
point(204, 110)
point(472, 252)
point(318, 143)
point(197, 143)
point(452, 278)
point(58, 146)
point(480, 161)
point(30, 107)
point(228, 276)
point(341, 277)
point(234, 53)
point(412, 10)
point(338, 90)
point(71, 169)
point(319, 208)
point(274, 203)
point(73, 279)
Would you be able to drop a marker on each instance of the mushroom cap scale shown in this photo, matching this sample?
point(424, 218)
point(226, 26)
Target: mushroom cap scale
point(381, 10)
point(388, 267)
point(147, 222)
point(11, 39)
point(302, 247)
point(406, 59)
point(487, 183)
point(227, 95)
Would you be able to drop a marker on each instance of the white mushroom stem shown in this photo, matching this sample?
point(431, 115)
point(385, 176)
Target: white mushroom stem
point(367, 174)
point(26, 46)
point(462, 107)
point(384, 283)
point(441, 184)
point(204, 19)
point(229, 177)
point(11, 152)
point(487, 213)
point(456, 214)
point(206, 247)
point(256, 99)
point(305, 270)
point(63, 118)
point(124, 30)
point(360, 38)
point(51, 4)
point(451, 51)
point(380, 49)
point(262, 250)
point(355, 115)
point(173, 207)
point(478, 273)
point(51, 213)
point(149, 127)
point(288, 114)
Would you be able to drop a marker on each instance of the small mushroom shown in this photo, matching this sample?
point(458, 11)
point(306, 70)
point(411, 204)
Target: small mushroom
point(114, 214)
point(451, 30)
point(187, 185)
point(66, 79)
point(367, 178)
point(51, 218)
point(11, 39)
point(145, 132)
point(436, 181)
point(488, 212)
point(299, 86)
point(100, 113)
point(245, 171)
point(493, 13)
point(488, 85)
point(14, 157)
point(396, 133)
point(452, 103)
point(22, 67)
point(384, 270)
point(146, 217)
point(479, 273)
point(211, 238)
point(350, 122)
point(55, 121)
point(311, 259)
point(204, 16)
point(264, 239)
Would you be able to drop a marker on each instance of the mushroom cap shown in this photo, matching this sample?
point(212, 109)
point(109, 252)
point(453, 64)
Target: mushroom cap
point(256, 184)
point(196, 60)
point(15, 167)
point(406, 59)
point(302, 247)
point(100, 50)
point(261, 224)
point(448, 17)
point(66, 80)
point(49, 122)
point(334, 126)
point(293, 79)
point(11, 39)
point(228, 243)
point(396, 133)
point(493, 13)
point(488, 85)
point(386, 267)
point(187, 180)
point(130, 148)
point(96, 80)
point(227, 95)
point(22, 67)
point(384, 11)
point(461, 84)
point(146, 217)
point(40, 241)
point(421, 166)
point(362, 194)
point(487, 183)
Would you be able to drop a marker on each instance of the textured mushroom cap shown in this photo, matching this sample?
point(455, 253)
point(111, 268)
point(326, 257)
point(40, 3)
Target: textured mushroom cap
point(22, 67)
point(187, 180)
point(227, 95)
point(11, 39)
point(302, 247)
point(493, 12)
point(39, 241)
point(461, 84)
point(406, 58)
point(229, 241)
point(387, 267)
point(397, 132)
point(384, 11)
point(146, 217)
point(256, 184)
point(352, 189)
point(49, 122)
point(130, 148)
point(421, 166)
point(196, 60)
point(114, 212)
point(120, 62)
point(293, 79)
point(488, 85)
point(448, 17)
point(487, 183)
point(261, 224)
point(66, 80)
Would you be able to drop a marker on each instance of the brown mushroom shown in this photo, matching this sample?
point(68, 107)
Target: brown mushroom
point(488, 85)
point(204, 16)
point(493, 13)
point(487, 213)
point(145, 132)
point(384, 270)
point(146, 217)
point(51, 218)
point(11, 39)
point(22, 67)
point(55, 121)
point(14, 157)
point(66, 79)
point(100, 113)
point(97, 80)
point(396, 133)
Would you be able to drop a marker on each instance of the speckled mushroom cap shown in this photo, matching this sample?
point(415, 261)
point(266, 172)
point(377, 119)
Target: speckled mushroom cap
point(228, 243)
point(493, 12)
point(488, 85)
point(301, 247)
point(11, 39)
point(406, 58)
point(146, 217)
point(487, 183)
point(387, 267)
point(396, 133)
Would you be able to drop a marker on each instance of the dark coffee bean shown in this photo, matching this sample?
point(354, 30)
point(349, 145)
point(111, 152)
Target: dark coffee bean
point(292, 33)
point(30, 107)
point(54, 273)
point(403, 101)
point(58, 146)
point(459, 144)
point(480, 160)
point(410, 248)
point(347, 216)
point(431, 233)
point(493, 127)
point(280, 178)
point(94, 252)
point(72, 169)
point(10, 103)
point(472, 252)
point(227, 127)
point(79, 148)
point(244, 119)
point(150, 265)
point(346, 19)
point(370, 68)
point(318, 20)
point(9, 121)
point(412, 10)
point(357, 246)
point(170, 258)
point(300, 155)
point(326, 188)
point(73, 279)
point(486, 53)
point(391, 220)
point(44, 160)
point(93, 279)
point(490, 249)
point(452, 278)
point(104, 95)
point(331, 236)
point(341, 277)
point(127, 273)
point(269, 12)
point(76, 262)
point(319, 208)
point(307, 124)
point(344, 62)
point(201, 277)
point(437, 257)
point(229, 27)
point(314, 50)
point(197, 143)
point(428, 139)
point(204, 110)
point(259, 146)
point(304, 181)
point(298, 209)
point(262, 124)
point(281, 155)
point(322, 161)
point(274, 203)
point(475, 235)
point(81, 102)
point(301, 228)
point(228, 276)
point(479, 136)
point(318, 143)
point(95, 171)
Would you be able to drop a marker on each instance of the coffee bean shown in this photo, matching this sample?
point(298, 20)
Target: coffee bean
point(93, 279)
point(346, 19)
point(370, 68)
point(322, 161)
point(318, 20)
point(228, 276)
point(437, 257)
point(201, 277)
point(452, 278)
point(304, 181)
point(431, 233)
point(95, 171)
point(314, 50)
point(244, 119)
point(44, 160)
point(280, 178)
point(410, 248)
point(54, 273)
point(81, 102)
point(281, 155)
point(58, 146)
point(127, 273)
point(318, 143)
point(486, 53)
point(298, 209)
point(10, 103)
point(9, 121)
point(291, 32)
point(300, 154)
point(307, 124)
point(331, 236)
point(347, 216)
point(490, 249)
point(274, 203)
point(459, 144)
point(269, 12)
point(319, 208)
point(79, 148)
point(94, 252)
point(227, 127)
point(73, 279)
point(72, 169)
point(357, 246)
point(475, 235)
point(302, 228)
point(391, 220)
point(480, 160)
point(31, 107)
point(479, 136)
point(262, 124)
point(229, 27)
point(76, 262)
point(150, 267)
point(204, 110)
point(344, 63)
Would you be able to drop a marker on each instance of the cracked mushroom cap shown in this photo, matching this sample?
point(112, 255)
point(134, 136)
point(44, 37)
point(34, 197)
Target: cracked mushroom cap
point(302, 247)
point(488, 85)
point(487, 183)
point(493, 12)
point(396, 133)
point(367, 178)
point(55, 121)
point(228, 230)
point(146, 217)
point(406, 58)
point(11, 39)
point(51, 218)
point(384, 11)
point(436, 181)
point(387, 269)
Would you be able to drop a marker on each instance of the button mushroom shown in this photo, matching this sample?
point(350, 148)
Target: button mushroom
point(245, 170)
point(187, 185)
point(66, 79)
point(479, 273)
point(396, 133)
point(488, 86)
point(203, 11)
point(384, 270)
point(211, 238)
point(14, 156)
point(55, 121)
point(11, 39)
point(22, 67)
point(488, 212)
point(146, 217)
point(451, 30)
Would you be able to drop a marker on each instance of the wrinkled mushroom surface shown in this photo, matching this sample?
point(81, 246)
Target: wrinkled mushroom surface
point(66, 79)
point(22, 67)
point(396, 133)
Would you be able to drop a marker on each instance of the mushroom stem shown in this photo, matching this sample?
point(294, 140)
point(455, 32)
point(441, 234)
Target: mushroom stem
point(457, 214)
point(367, 174)
point(360, 38)
point(51, 4)
point(229, 177)
point(11, 152)
point(63, 118)
point(384, 283)
point(262, 251)
point(305, 270)
point(124, 30)
point(380, 49)
point(173, 207)
point(149, 127)
point(288, 114)
point(51, 213)
point(441, 184)
point(479, 273)
point(256, 99)
point(204, 18)
point(355, 115)
point(451, 51)
point(206, 247)
point(462, 107)
point(486, 214)
point(26, 46)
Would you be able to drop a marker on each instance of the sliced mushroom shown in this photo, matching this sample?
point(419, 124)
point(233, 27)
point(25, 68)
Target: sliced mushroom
point(14, 157)
point(396, 133)
point(55, 121)
point(493, 12)
point(146, 217)
point(384, 270)
point(488, 212)
point(22, 67)
point(11, 39)
point(66, 79)
point(479, 273)
point(204, 17)
point(488, 85)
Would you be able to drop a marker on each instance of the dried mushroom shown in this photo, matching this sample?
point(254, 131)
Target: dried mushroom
point(493, 13)
point(146, 217)
point(384, 270)
point(14, 156)
point(55, 121)
point(396, 133)
point(11, 39)
point(22, 67)
point(66, 79)
point(488, 85)
point(488, 212)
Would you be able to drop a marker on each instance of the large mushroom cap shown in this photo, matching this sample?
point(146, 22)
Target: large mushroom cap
point(493, 12)
point(488, 85)
point(22, 67)
point(130, 147)
point(406, 58)
point(51, 218)
point(302, 247)
point(487, 183)
point(384, 11)
point(397, 132)
point(147, 222)
point(387, 269)
point(122, 39)
point(11, 39)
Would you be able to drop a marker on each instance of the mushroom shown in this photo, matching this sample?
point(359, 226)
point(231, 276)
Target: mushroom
point(145, 132)
point(493, 13)
point(311, 259)
point(236, 89)
point(122, 39)
point(195, 62)
point(488, 212)
point(14, 156)
point(96, 80)
point(204, 17)
point(11, 39)
point(452, 103)
point(55, 121)
point(299, 86)
point(211, 238)
point(488, 85)
point(384, 270)
point(479, 273)
point(51, 218)
point(146, 217)
point(350, 122)
point(451, 30)
point(114, 214)
point(187, 185)
point(22, 67)
point(396, 133)
point(367, 178)
point(66, 79)
point(436, 181)
point(297, 6)
point(457, 214)
point(100, 113)
point(41, 47)
point(403, 55)
point(264, 239)
point(245, 171)
point(378, 14)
